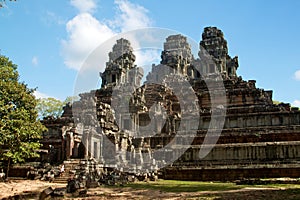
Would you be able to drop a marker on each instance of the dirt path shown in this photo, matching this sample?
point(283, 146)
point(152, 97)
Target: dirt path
point(26, 187)
point(128, 193)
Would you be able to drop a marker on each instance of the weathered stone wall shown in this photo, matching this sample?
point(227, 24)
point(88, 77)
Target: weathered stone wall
point(256, 132)
point(229, 174)
point(246, 152)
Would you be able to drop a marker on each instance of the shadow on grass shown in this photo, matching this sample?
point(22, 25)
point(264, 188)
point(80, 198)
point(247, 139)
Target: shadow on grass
point(279, 194)
point(185, 186)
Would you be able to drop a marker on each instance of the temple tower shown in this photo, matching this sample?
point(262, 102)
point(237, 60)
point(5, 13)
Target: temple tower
point(177, 53)
point(214, 43)
point(120, 69)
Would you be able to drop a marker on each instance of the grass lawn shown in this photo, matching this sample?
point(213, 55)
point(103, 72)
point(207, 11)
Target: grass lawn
point(223, 191)
point(185, 186)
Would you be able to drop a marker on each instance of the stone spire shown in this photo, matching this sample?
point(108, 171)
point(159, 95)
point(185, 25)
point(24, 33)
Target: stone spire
point(121, 48)
point(177, 53)
point(121, 60)
point(214, 43)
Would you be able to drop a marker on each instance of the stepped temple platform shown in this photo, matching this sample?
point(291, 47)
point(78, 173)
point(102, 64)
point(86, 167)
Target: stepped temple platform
point(259, 139)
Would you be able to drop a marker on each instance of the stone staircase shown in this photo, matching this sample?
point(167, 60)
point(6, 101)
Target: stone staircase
point(70, 164)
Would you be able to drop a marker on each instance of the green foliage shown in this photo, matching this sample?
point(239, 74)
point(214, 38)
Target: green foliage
point(276, 102)
point(71, 99)
point(49, 107)
point(19, 129)
point(52, 107)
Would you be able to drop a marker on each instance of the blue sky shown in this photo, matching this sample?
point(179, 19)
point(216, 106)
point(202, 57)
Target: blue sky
point(49, 39)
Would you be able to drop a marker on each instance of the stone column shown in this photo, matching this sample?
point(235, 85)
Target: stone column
point(101, 149)
point(69, 144)
point(85, 140)
point(91, 145)
point(96, 148)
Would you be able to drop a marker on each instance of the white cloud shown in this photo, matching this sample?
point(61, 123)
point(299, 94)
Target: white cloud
point(130, 16)
point(52, 18)
point(40, 95)
point(85, 32)
point(296, 103)
point(35, 61)
point(147, 57)
point(84, 5)
point(297, 75)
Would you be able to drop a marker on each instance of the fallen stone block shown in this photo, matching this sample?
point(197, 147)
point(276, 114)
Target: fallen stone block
point(59, 192)
point(45, 193)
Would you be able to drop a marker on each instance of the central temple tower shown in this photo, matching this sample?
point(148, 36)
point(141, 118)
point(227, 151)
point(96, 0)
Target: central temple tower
point(120, 69)
point(215, 45)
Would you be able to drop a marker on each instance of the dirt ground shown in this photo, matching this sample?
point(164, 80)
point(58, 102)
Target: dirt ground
point(27, 189)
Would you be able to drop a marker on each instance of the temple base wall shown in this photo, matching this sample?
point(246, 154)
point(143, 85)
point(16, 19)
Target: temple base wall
point(230, 174)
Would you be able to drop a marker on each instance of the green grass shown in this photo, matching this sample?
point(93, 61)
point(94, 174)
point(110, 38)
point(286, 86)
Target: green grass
point(219, 190)
point(185, 186)
point(286, 186)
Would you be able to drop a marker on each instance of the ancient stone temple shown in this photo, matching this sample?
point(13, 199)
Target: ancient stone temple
point(258, 138)
point(214, 43)
point(121, 59)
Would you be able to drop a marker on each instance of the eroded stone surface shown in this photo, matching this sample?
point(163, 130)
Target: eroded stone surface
point(255, 130)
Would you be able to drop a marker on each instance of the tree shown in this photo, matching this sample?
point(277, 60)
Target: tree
point(71, 99)
point(50, 106)
point(20, 130)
